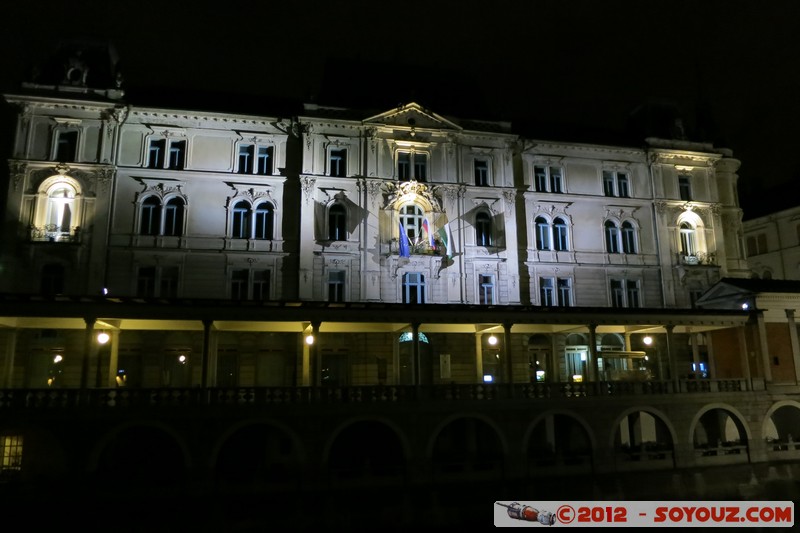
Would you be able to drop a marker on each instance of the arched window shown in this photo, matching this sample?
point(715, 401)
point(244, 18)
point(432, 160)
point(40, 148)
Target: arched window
point(337, 223)
point(264, 221)
point(483, 229)
point(173, 217)
point(411, 216)
point(688, 242)
point(542, 233)
point(628, 238)
point(60, 207)
point(240, 222)
point(612, 237)
point(560, 235)
point(150, 220)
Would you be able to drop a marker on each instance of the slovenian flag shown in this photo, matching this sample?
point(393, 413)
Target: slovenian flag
point(428, 231)
point(404, 249)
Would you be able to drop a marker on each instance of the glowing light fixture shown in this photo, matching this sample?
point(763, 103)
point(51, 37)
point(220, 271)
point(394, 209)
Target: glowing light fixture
point(492, 340)
point(57, 359)
point(309, 339)
point(103, 337)
point(648, 340)
point(488, 378)
point(745, 307)
point(182, 359)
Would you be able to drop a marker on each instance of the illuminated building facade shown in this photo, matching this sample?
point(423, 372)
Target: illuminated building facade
point(365, 255)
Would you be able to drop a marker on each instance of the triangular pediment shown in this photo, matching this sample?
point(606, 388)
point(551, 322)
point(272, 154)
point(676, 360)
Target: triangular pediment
point(412, 115)
point(723, 295)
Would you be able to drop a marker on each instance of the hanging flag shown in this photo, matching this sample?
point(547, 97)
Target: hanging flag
point(445, 235)
point(404, 250)
point(428, 231)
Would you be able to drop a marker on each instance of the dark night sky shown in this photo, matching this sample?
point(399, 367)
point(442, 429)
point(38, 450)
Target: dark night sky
point(567, 69)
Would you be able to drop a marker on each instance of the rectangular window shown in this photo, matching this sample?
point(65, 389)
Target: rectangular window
point(336, 286)
point(177, 155)
point(547, 292)
point(486, 289)
point(66, 146)
point(625, 293)
point(168, 284)
point(10, 453)
point(632, 293)
point(556, 180)
point(246, 152)
point(757, 244)
point(420, 167)
point(261, 284)
point(412, 165)
point(608, 183)
point(337, 163)
point(685, 187)
point(564, 292)
point(548, 179)
point(540, 179)
point(264, 163)
point(239, 288)
point(413, 288)
point(623, 186)
point(146, 282)
point(481, 172)
point(617, 294)
point(404, 165)
point(156, 153)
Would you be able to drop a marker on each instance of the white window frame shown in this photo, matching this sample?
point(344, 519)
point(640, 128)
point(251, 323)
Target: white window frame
point(342, 162)
point(555, 291)
point(625, 293)
point(166, 158)
point(617, 183)
point(255, 165)
point(407, 284)
point(413, 171)
point(550, 177)
point(161, 275)
point(57, 135)
point(483, 176)
point(487, 289)
point(251, 282)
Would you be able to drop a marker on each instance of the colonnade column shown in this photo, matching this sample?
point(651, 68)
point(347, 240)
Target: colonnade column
point(314, 355)
point(113, 359)
point(593, 368)
point(89, 351)
point(794, 343)
point(673, 366)
point(762, 343)
point(509, 364)
point(206, 343)
point(415, 362)
point(479, 356)
point(11, 350)
point(745, 361)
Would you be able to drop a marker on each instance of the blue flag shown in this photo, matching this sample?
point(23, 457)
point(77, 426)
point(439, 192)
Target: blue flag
point(404, 250)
